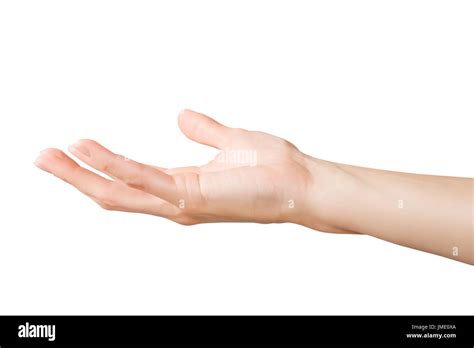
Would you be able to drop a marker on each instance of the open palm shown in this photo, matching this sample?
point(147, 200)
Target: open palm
point(254, 177)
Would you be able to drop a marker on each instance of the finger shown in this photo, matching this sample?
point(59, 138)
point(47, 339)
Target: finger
point(203, 129)
point(109, 194)
point(134, 174)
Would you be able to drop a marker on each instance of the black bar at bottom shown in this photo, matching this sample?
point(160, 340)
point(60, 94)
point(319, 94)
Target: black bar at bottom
point(287, 330)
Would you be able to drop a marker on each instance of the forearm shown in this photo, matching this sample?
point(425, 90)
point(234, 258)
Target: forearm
point(430, 213)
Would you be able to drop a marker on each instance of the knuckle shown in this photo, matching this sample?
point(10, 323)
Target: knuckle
point(111, 164)
point(135, 177)
point(107, 167)
point(134, 180)
point(185, 221)
point(288, 144)
point(105, 194)
point(105, 206)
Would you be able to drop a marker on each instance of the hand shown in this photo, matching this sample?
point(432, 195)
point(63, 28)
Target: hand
point(261, 178)
point(255, 177)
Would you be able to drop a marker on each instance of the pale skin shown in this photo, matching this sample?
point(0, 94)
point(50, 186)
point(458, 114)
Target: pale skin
point(279, 184)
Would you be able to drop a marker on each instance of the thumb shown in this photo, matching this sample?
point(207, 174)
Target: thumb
point(203, 129)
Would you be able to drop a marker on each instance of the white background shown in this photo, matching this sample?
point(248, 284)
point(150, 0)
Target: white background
point(384, 84)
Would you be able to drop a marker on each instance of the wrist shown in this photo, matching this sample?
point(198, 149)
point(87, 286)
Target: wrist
point(329, 191)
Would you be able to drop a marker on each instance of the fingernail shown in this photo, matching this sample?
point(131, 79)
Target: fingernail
point(182, 112)
point(40, 164)
point(78, 147)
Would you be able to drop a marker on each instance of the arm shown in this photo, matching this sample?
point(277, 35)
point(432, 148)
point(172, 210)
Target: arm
point(424, 212)
point(257, 177)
